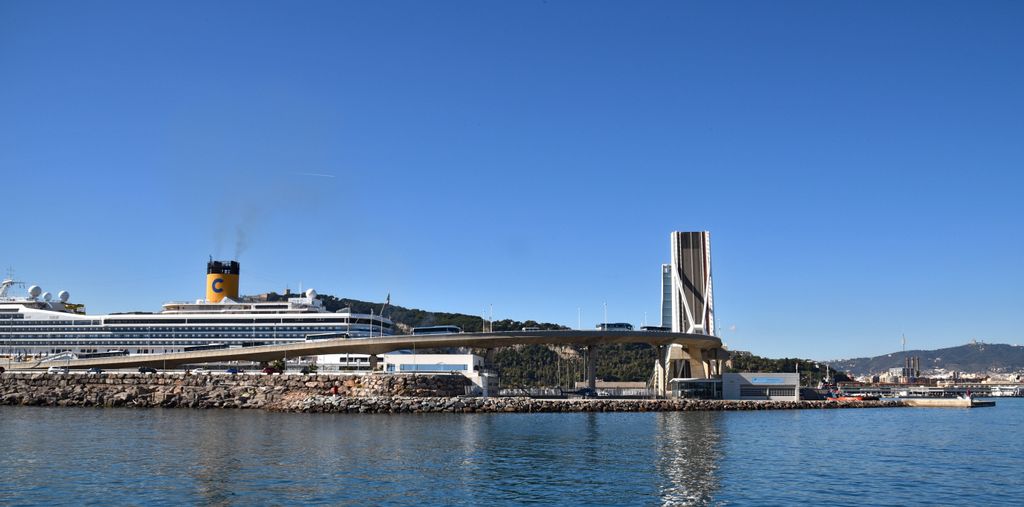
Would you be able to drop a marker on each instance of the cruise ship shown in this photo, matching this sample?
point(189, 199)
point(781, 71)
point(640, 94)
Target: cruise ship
point(38, 324)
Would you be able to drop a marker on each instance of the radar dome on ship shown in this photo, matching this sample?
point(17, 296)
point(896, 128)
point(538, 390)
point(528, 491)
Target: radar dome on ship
point(311, 294)
point(47, 296)
point(63, 296)
point(34, 291)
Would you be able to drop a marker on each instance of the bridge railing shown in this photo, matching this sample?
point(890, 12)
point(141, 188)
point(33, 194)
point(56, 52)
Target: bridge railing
point(555, 392)
point(63, 356)
point(533, 392)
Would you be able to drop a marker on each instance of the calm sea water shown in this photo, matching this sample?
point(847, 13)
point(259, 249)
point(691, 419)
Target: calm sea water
point(223, 457)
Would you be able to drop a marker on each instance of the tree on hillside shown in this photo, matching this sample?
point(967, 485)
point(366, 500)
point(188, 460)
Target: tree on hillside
point(811, 372)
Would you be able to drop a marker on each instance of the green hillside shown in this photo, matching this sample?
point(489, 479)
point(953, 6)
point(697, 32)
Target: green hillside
point(811, 372)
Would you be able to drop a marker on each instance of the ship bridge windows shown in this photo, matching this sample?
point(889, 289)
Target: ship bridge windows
point(144, 321)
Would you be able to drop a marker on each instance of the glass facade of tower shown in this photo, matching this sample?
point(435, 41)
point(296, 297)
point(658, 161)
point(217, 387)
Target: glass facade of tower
point(666, 296)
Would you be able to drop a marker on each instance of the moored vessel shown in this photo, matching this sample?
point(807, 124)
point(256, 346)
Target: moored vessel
point(37, 325)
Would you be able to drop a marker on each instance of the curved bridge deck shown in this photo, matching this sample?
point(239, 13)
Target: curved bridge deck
point(388, 344)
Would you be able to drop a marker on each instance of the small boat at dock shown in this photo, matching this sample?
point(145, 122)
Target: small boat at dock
point(852, 398)
point(959, 402)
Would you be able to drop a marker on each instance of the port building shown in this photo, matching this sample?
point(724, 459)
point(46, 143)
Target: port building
point(469, 365)
point(688, 307)
point(761, 386)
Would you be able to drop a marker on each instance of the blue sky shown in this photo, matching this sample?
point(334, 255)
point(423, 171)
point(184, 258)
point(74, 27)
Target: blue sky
point(858, 164)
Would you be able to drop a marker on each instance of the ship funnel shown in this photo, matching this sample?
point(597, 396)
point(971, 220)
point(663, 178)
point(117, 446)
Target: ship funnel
point(221, 280)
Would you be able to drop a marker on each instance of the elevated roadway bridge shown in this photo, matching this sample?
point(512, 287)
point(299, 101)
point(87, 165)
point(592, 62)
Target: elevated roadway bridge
point(680, 354)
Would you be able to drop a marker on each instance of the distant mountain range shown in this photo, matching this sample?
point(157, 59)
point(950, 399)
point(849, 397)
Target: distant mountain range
point(974, 357)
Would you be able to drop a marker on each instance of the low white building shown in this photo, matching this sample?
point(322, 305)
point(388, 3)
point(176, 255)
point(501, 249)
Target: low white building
point(472, 366)
point(761, 386)
point(697, 388)
point(348, 363)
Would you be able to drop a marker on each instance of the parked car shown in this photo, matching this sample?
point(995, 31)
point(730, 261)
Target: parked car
point(270, 370)
point(232, 371)
point(199, 371)
point(146, 369)
point(587, 392)
point(305, 370)
point(94, 370)
point(58, 369)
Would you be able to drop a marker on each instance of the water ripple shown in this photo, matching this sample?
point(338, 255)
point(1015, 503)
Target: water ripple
point(70, 456)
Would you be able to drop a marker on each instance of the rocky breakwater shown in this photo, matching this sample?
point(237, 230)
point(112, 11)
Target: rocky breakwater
point(275, 392)
point(402, 404)
point(377, 393)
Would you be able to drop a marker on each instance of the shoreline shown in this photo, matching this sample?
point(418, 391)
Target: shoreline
point(493, 405)
point(373, 393)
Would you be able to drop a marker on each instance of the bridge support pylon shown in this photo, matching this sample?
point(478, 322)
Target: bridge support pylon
point(591, 366)
point(660, 381)
point(677, 361)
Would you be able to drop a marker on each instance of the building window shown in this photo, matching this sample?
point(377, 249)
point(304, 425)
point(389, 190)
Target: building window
point(753, 392)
